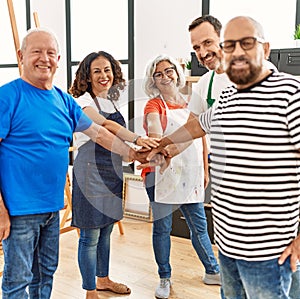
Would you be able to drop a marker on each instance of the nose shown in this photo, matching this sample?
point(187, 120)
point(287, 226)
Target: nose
point(44, 55)
point(102, 74)
point(202, 52)
point(164, 75)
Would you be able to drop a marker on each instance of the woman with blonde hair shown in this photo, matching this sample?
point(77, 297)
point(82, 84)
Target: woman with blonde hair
point(182, 185)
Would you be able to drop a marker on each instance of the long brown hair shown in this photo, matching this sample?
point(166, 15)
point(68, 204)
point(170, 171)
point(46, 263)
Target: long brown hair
point(82, 84)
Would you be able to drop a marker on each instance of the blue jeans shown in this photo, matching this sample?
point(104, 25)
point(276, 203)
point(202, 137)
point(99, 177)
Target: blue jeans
point(93, 254)
point(196, 220)
point(254, 280)
point(295, 287)
point(31, 256)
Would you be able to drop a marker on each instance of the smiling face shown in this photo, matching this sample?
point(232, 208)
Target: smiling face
point(244, 67)
point(39, 59)
point(205, 42)
point(101, 76)
point(168, 76)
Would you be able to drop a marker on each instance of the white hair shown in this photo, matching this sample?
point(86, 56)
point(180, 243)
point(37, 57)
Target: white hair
point(149, 85)
point(39, 29)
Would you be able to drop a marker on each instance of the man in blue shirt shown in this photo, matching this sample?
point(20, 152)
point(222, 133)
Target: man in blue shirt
point(37, 121)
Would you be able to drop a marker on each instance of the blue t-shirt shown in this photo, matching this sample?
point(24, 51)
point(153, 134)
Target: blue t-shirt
point(36, 128)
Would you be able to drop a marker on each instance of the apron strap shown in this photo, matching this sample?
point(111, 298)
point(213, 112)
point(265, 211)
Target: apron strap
point(209, 100)
point(98, 106)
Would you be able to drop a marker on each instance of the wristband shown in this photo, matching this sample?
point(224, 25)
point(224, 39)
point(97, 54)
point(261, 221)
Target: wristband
point(135, 139)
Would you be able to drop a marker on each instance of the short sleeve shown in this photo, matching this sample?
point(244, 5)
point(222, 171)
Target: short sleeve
point(293, 118)
point(85, 100)
point(7, 95)
point(205, 119)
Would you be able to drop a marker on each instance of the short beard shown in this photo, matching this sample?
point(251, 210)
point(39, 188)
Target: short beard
point(244, 77)
point(209, 65)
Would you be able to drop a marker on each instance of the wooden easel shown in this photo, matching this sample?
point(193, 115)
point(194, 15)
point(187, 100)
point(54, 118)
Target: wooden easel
point(66, 218)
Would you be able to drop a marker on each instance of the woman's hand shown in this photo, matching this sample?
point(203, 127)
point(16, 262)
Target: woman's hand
point(206, 179)
point(147, 142)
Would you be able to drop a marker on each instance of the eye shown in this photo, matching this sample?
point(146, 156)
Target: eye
point(169, 72)
point(52, 53)
point(208, 43)
point(247, 43)
point(228, 45)
point(157, 75)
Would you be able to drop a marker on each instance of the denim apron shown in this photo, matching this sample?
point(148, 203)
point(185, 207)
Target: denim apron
point(97, 184)
point(183, 181)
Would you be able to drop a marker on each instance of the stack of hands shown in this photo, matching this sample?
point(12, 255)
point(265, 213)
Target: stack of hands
point(151, 153)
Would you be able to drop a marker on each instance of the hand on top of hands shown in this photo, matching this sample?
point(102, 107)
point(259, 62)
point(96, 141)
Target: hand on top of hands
point(148, 142)
point(154, 157)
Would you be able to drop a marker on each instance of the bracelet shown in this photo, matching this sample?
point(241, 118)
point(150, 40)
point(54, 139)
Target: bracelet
point(135, 139)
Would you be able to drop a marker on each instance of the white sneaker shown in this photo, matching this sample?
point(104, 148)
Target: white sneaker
point(163, 289)
point(212, 279)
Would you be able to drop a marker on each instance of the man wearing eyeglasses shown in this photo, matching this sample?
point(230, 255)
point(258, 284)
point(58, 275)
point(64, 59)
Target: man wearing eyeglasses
point(205, 39)
point(255, 134)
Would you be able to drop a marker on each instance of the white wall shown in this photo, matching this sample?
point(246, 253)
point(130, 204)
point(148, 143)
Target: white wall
point(161, 26)
point(51, 14)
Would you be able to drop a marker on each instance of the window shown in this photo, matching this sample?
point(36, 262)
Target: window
point(99, 25)
point(96, 25)
point(8, 59)
point(276, 16)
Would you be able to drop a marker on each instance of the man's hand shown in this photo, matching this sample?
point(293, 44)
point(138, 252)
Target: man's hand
point(4, 221)
point(156, 157)
point(292, 250)
point(157, 160)
point(155, 151)
point(141, 155)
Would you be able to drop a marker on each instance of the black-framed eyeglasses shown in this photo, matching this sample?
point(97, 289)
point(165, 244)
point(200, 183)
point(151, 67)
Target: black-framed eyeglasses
point(246, 43)
point(168, 71)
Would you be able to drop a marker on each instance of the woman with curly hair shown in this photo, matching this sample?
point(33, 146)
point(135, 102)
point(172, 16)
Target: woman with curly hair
point(97, 172)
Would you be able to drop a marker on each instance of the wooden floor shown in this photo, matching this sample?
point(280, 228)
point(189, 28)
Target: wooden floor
point(132, 263)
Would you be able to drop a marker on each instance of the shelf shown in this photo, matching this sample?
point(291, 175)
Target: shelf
point(192, 79)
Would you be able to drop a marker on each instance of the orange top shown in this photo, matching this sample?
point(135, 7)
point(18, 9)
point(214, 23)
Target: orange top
point(156, 105)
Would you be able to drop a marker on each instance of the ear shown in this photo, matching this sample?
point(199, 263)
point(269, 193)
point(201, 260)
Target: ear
point(20, 55)
point(267, 49)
